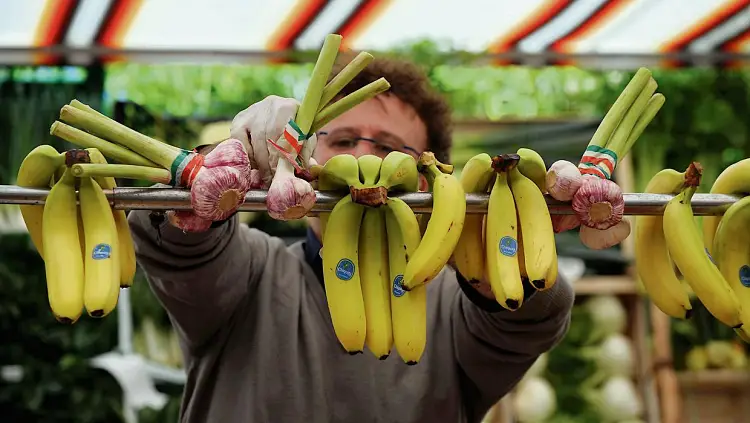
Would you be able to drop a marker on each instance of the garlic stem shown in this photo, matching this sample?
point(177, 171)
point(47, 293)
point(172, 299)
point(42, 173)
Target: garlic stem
point(95, 170)
point(158, 152)
point(84, 139)
point(620, 136)
point(344, 77)
point(336, 109)
point(323, 66)
point(655, 104)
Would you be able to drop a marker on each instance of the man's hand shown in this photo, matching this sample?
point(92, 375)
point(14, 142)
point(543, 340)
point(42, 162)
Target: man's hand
point(260, 122)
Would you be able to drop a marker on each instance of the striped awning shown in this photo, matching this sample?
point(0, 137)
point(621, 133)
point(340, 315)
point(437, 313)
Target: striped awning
point(550, 31)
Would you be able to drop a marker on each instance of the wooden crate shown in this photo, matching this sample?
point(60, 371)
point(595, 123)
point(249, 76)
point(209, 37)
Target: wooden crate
point(715, 396)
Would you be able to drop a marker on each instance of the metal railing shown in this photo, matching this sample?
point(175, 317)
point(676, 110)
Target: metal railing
point(179, 199)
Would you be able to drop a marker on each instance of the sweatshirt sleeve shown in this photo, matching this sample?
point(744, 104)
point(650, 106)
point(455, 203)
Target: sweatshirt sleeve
point(199, 278)
point(494, 349)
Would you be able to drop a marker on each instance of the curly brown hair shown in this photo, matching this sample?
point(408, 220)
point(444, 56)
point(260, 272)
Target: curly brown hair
point(409, 83)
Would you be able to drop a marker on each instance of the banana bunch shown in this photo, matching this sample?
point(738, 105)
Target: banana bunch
point(87, 250)
point(722, 237)
point(514, 242)
point(375, 263)
point(663, 242)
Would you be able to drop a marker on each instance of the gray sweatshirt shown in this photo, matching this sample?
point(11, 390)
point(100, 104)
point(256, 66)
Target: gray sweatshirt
point(259, 345)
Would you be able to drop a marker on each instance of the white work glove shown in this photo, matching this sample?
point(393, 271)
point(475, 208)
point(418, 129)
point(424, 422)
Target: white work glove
point(266, 120)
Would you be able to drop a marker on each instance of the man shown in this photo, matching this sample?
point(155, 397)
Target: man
point(251, 312)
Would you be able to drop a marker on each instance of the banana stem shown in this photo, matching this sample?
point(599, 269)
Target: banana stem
point(158, 152)
point(85, 140)
point(322, 70)
point(336, 109)
point(344, 77)
point(505, 162)
point(96, 170)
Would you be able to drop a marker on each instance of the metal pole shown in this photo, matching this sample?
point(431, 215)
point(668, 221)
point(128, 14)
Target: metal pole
point(420, 202)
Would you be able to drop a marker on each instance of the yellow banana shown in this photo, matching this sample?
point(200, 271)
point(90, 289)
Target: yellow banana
point(502, 245)
point(127, 249)
point(532, 166)
point(733, 180)
point(443, 230)
point(102, 260)
point(37, 171)
point(341, 275)
point(535, 223)
point(408, 308)
point(398, 172)
point(369, 169)
point(732, 254)
point(686, 249)
point(375, 279)
point(64, 263)
point(469, 254)
point(652, 260)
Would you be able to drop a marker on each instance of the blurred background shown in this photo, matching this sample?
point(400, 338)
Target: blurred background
point(537, 73)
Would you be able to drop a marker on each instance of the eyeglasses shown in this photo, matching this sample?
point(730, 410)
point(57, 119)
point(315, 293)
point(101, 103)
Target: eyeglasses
point(347, 142)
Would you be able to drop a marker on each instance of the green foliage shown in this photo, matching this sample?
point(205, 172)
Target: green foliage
point(58, 385)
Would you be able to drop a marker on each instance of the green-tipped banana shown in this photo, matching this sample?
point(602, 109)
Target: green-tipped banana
point(339, 173)
point(375, 280)
point(369, 169)
point(652, 260)
point(37, 171)
point(686, 249)
point(341, 275)
point(399, 172)
point(532, 166)
point(732, 254)
point(469, 254)
point(408, 308)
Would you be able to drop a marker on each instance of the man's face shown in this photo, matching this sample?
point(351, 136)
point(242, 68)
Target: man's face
point(385, 122)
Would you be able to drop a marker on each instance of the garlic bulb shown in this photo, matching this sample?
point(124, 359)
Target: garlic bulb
point(220, 186)
point(599, 239)
point(598, 203)
point(289, 197)
point(188, 221)
point(564, 222)
point(563, 180)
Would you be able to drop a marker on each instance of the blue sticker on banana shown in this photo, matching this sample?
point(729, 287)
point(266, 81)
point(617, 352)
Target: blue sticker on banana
point(508, 246)
point(101, 252)
point(398, 289)
point(345, 269)
point(745, 276)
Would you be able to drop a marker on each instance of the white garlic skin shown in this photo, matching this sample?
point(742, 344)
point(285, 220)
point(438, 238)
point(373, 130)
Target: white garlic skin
point(289, 197)
point(563, 180)
point(564, 222)
point(599, 239)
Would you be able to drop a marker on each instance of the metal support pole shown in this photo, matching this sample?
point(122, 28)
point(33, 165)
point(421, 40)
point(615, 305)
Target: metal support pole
point(420, 202)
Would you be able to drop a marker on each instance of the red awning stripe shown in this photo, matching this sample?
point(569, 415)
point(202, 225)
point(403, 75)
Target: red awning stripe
point(359, 20)
point(299, 17)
